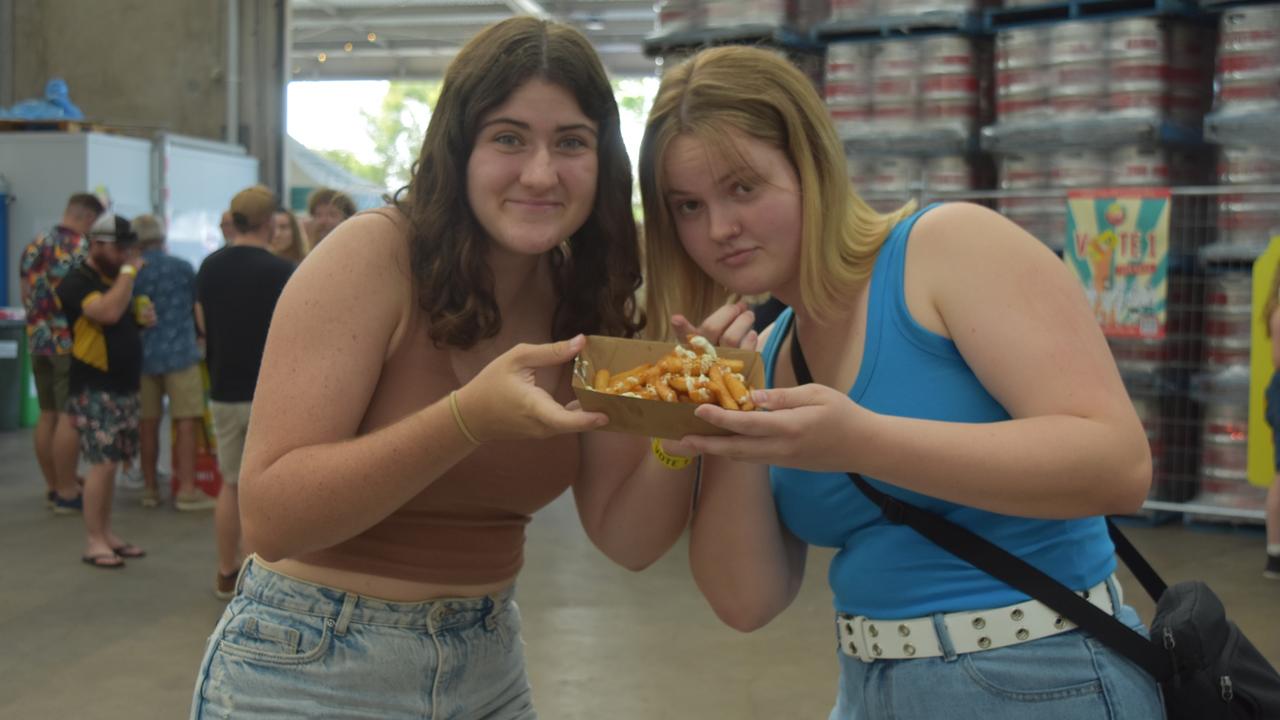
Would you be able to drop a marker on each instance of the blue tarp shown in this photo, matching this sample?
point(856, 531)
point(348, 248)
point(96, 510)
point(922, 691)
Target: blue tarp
point(55, 105)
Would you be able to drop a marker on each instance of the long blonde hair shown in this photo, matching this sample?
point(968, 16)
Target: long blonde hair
point(300, 245)
point(763, 96)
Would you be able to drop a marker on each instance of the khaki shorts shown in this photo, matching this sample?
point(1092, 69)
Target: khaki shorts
point(230, 423)
point(53, 381)
point(185, 389)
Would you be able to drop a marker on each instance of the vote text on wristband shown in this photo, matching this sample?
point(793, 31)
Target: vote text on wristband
point(675, 462)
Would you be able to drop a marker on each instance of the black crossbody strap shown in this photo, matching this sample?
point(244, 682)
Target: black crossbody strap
point(1138, 565)
point(1002, 565)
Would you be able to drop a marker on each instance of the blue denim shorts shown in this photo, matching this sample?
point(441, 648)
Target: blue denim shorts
point(1069, 676)
point(285, 648)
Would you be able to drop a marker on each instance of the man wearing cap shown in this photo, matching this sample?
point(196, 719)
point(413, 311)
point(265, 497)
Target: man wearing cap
point(236, 293)
point(170, 365)
point(106, 365)
point(44, 264)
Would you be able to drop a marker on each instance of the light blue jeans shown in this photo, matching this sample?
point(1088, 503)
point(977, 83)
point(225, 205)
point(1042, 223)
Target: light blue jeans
point(1069, 676)
point(291, 649)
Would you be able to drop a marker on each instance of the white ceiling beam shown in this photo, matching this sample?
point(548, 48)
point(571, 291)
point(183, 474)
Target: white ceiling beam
point(398, 20)
point(529, 7)
point(426, 50)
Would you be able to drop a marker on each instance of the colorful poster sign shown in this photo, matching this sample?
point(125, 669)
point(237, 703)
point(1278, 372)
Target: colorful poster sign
point(1118, 247)
point(1262, 452)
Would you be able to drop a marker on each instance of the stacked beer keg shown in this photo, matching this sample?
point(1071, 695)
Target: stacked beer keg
point(895, 87)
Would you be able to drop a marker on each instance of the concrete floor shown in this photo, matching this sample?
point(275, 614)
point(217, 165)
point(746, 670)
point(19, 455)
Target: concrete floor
point(601, 642)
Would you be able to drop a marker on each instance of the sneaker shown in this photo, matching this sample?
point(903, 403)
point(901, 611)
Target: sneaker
point(194, 501)
point(150, 498)
point(68, 507)
point(224, 586)
point(130, 478)
point(1272, 571)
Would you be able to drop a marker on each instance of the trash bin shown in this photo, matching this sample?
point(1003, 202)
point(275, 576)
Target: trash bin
point(12, 330)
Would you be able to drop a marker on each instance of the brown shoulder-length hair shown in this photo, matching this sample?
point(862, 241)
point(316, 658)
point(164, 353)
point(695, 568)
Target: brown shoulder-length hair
point(597, 268)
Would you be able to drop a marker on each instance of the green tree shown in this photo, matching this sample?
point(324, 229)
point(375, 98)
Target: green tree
point(399, 126)
point(634, 96)
point(396, 129)
point(347, 160)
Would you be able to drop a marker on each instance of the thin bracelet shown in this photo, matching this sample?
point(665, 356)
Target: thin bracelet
point(674, 462)
point(457, 417)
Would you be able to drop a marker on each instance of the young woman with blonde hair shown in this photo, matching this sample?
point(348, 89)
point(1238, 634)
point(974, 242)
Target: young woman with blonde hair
point(955, 365)
point(289, 242)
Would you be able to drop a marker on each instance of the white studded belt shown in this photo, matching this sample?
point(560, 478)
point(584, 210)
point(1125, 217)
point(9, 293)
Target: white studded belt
point(970, 631)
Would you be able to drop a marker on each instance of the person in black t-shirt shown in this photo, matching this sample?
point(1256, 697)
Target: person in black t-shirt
point(106, 367)
point(236, 292)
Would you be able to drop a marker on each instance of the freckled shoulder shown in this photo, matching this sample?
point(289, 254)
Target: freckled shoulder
point(371, 248)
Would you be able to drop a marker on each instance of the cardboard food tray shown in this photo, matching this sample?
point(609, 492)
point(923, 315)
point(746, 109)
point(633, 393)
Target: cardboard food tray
point(653, 418)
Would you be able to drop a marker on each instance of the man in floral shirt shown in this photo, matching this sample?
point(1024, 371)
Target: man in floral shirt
point(45, 262)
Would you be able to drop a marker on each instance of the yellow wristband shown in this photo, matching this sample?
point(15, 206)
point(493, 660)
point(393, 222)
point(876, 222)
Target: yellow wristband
point(675, 462)
point(457, 417)
point(128, 270)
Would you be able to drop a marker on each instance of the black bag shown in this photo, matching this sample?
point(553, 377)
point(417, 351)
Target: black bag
point(1206, 667)
point(1217, 672)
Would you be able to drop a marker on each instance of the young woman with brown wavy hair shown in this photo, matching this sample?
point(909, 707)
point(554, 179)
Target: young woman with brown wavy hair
point(411, 410)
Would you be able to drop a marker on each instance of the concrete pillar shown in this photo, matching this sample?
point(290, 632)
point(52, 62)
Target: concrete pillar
point(157, 65)
point(6, 53)
point(263, 71)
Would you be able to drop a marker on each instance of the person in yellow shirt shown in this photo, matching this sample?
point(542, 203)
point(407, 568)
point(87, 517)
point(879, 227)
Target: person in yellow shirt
point(1271, 320)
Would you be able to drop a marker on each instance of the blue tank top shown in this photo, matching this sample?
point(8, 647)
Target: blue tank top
point(889, 571)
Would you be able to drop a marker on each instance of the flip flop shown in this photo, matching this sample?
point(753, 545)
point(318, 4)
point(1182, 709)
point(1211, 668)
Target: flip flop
point(129, 550)
point(102, 561)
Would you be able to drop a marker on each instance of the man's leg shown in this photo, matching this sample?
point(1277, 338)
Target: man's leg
point(42, 372)
point(66, 438)
point(151, 396)
point(1272, 517)
point(230, 423)
point(99, 487)
point(119, 421)
point(226, 524)
point(149, 431)
point(66, 455)
point(44, 448)
point(184, 454)
point(186, 407)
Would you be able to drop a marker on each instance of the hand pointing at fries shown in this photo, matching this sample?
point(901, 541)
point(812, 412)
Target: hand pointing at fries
point(728, 326)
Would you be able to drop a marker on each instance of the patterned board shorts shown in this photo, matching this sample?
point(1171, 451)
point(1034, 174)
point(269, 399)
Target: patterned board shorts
point(108, 425)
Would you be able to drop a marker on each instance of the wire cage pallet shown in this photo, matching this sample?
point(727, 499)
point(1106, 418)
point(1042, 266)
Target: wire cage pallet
point(1191, 387)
